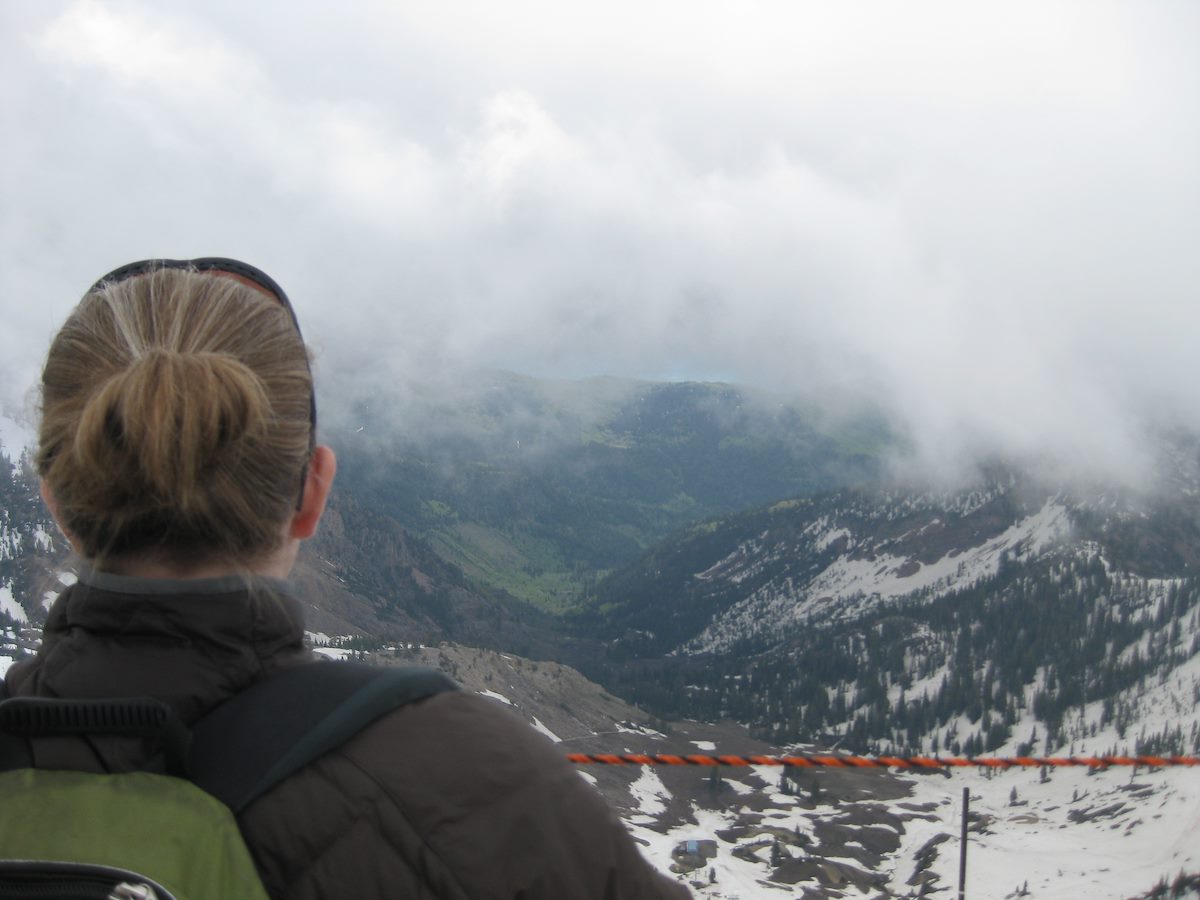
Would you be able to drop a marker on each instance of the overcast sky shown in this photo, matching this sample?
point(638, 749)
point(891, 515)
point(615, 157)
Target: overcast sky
point(982, 217)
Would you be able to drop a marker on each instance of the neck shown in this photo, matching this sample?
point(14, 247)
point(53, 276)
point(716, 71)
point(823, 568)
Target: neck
point(277, 564)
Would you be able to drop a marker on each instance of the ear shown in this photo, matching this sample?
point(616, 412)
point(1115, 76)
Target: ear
point(317, 483)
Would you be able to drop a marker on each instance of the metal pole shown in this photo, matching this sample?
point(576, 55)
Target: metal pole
point(962, 848)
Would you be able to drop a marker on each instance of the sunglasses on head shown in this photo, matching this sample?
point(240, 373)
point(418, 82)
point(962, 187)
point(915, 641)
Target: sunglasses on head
point(221, 266)
point(218, 265)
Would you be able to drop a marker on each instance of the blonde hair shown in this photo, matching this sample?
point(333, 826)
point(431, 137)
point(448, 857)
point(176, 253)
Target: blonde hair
point(176, 419)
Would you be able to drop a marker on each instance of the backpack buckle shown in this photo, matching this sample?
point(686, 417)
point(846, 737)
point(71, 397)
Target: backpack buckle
point(128, 891)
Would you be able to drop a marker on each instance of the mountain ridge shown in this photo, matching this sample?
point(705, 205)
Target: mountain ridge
point(910, 620)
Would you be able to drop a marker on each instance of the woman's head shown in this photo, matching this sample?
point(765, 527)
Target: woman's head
point(177, 416)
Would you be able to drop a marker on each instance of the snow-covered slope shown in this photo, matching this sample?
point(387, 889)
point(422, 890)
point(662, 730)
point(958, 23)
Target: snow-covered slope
point(861, 576)
point(1003, 620)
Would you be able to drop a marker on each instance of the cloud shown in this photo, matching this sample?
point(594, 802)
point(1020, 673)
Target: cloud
point(977, 220)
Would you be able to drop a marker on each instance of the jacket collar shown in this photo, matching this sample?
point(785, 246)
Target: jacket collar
point(192, 643)
point(228, 584)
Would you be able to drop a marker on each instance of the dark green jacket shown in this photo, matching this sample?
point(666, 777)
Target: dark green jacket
point(450, 797)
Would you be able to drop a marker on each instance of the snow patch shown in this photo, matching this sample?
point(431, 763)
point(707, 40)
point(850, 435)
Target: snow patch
point(1052, 839)
point(635, 728)
point(42, 540)
point(649, 794)
point(1109, 857)
point(496, 696)
point(827, 540)
point(539, 726)
point(334, 652)
point(10, 606)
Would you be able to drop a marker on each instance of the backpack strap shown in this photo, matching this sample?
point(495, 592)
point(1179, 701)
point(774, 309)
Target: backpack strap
point(258, 738)
point(14, 749)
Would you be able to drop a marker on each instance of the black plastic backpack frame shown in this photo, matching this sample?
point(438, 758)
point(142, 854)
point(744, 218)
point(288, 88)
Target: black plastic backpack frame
point(245, 746)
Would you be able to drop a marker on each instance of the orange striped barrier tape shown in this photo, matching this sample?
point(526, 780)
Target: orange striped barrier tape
point(811, 761)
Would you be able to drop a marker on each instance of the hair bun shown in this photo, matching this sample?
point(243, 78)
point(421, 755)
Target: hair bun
point(174, 417)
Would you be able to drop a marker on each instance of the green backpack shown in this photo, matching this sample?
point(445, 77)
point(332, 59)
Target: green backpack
point(148, 836)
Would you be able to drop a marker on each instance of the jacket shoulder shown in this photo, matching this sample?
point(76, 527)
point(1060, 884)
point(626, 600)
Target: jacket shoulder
point(453, 796)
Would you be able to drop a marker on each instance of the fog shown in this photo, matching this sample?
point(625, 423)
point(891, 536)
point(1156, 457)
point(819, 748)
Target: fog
point(978, 220)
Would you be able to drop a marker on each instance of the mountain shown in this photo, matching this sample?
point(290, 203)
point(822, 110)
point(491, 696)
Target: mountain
point(1010, 617)
point(535, 486)
point(1010, 614)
